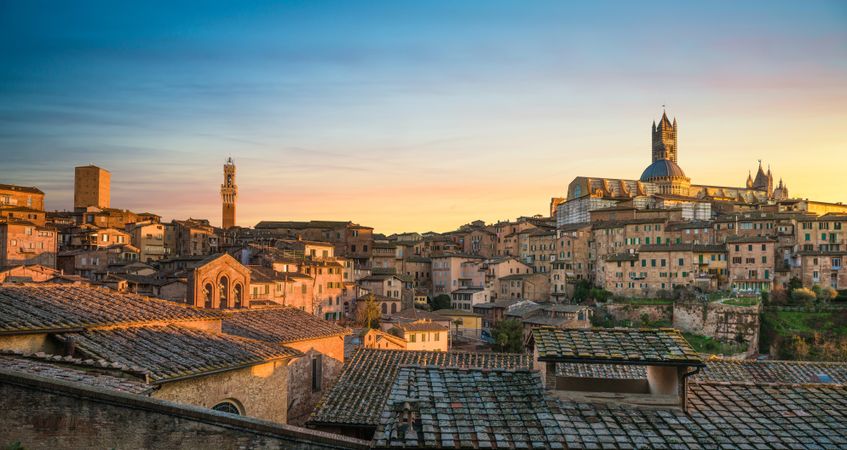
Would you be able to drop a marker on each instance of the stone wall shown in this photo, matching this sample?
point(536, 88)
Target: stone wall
point(634, 313)
point(48, 414)
point(301, 397)
point(259, 391)
point(723, 322)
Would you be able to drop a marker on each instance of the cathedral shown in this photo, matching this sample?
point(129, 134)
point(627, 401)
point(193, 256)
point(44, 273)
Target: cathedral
point(663, 184)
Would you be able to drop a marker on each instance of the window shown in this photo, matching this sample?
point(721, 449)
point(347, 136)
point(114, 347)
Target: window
point(207, 295)
point(224, 293)
point(227, 407)
point(317, 372)
point(411, 337)
point(681, 261)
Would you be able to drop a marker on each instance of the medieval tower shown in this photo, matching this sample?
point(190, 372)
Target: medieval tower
point(664, 139)
point(229, 193)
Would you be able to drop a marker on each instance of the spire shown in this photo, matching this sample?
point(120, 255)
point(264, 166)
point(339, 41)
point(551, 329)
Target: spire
point(749, 180)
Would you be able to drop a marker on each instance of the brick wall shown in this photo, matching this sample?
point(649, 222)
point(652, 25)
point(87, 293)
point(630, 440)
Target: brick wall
point(48, 414)
point(301, 397)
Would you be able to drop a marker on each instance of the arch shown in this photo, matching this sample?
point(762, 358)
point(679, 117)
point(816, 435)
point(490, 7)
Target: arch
point(208, 292)
point(237, 295)
point(230, 406)
point(223, 292)
point(393, 308)
point(384, 308)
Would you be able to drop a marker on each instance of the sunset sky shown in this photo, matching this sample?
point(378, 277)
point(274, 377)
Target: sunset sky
point(407, 115)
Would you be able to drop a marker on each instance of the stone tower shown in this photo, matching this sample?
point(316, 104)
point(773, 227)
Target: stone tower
point(664, 139)
point(229, 193)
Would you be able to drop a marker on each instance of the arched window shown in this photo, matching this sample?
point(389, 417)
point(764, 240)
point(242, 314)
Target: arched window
point(237, 294)
point(227, 407)
point(223, 287)
point(393, 308)
point(384, 308)
point(207, 295)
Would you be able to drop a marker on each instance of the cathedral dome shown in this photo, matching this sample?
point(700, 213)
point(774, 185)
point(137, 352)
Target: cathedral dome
point(662, 168)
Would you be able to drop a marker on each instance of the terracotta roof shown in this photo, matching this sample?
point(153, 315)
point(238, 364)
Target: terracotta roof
point(720, 416)
point(45, 307)
point(279, 324)
point(13, 187)
point(746, 239)
point(661, 346)
point(461, 408)
point(682, 248)
point(75, 370)
point(423, 325)
point(167, 352)
point(361, 391)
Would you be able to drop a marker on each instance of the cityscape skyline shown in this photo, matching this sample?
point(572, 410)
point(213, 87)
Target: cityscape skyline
point(411, 118)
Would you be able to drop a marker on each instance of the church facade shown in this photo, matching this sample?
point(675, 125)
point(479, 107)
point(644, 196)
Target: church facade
point(662, 185)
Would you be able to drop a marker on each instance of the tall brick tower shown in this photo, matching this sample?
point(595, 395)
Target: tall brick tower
point(229, 193)
point(664, 139)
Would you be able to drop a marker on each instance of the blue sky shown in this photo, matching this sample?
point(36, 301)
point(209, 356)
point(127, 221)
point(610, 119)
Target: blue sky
point(413, 115)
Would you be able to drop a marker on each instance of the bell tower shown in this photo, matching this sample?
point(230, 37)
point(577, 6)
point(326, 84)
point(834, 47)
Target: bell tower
point(229, 193)
point(664, 139)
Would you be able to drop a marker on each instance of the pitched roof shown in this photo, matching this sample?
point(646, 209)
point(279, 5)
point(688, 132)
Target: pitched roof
point(52, 307)
point(167, 352)
point(462, 408)
point(421, 325)
point(770, 372)
point(74, 370)
point(13, 187)
point(661, 346)
point(279, 325)
point(720, 416)
point(361, 391)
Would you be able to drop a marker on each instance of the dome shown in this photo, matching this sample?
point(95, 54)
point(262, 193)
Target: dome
point(662, 168)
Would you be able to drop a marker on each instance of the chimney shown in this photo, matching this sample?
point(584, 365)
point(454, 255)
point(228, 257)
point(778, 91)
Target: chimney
point(70, 346)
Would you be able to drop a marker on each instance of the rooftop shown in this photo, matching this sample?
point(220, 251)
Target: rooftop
point(74, 370)
point(56, 307)
point(279, 324)
point(167, 352)
point(662, 346)
point(461, 408)
point(366, 381)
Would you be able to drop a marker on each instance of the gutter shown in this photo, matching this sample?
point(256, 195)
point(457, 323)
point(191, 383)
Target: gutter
point(685, 387)
point(219, 370)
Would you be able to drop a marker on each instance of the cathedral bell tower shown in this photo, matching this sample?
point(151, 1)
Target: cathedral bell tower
point(664, 139)
point(229, 193)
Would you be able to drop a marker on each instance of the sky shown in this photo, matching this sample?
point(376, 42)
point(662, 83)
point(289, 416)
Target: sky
point(408, 115)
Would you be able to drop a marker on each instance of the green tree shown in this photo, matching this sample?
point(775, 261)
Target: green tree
point(581, 291)
point(442, 301)
point(508, 336)
point(367, 312)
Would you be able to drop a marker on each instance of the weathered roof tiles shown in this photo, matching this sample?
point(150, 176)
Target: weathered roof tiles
point(56, 307)
point(361, 391)
point(167, 352)
point(614, 345)
point(279, 325)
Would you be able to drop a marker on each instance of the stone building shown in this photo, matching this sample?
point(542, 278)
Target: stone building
point(219, 282)
point(149, 238)
point(423, 334)
point(21, 196)
point(655, 268)
point(752, 263)
point(193, 237)
point(25, 243)
point(91, 187)
point(321, 344)
point(179, 353)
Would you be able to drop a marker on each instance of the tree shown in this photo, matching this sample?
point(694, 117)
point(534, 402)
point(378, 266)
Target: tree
point(581, 291)
point(794, 283)
point(508, 336)
point(441, 301)
point(367, 312)
point(826, 294)
point(803, 295)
